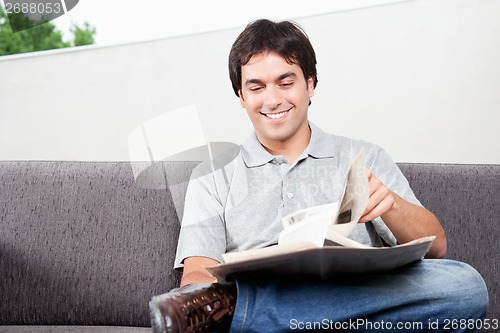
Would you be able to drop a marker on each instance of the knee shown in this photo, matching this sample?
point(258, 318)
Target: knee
point(464, 290)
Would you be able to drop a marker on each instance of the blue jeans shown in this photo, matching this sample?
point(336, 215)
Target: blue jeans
point(430, 295)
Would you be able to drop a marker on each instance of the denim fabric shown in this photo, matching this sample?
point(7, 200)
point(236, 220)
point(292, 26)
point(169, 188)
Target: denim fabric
point(430, 295)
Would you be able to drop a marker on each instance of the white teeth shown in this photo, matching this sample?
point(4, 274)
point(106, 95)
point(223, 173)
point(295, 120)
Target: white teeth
point(275, 115)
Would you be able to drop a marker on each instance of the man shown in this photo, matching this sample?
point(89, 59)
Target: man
point(286, 165)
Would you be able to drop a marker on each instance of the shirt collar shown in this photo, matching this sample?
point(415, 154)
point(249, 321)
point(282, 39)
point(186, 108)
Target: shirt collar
point(254, 154)
point(320, 146)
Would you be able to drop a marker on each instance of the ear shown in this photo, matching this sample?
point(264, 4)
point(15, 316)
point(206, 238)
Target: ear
point(242, 99)
point(310, 86)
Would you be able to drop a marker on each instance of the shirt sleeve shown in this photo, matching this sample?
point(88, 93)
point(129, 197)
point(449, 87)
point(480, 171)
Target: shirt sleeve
point(203, 231)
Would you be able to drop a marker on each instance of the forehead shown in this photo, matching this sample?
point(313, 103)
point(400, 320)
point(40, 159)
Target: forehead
point(269, 66)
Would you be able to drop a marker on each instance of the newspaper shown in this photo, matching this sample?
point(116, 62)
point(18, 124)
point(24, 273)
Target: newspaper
point(324, 262)
point(315, 240)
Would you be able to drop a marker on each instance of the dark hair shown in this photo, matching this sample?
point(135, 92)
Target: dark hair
point(285, 38)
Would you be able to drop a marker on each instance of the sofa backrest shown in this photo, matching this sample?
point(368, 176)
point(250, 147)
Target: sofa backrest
point(466, 199)
point(82, 244)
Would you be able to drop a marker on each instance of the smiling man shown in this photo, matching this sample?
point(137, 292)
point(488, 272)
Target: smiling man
point(288, 164)
point(276, 97)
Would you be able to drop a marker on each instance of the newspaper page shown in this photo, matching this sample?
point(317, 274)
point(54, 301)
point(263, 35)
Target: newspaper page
point(354, 199)
point(315, 224)
point(308, 225)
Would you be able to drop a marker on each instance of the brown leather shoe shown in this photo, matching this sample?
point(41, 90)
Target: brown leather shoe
point(194, 308)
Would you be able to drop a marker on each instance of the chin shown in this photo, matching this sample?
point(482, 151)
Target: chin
point(277, 135)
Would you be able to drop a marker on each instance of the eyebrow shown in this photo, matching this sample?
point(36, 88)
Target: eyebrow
point(279, 78)
point(286, 75)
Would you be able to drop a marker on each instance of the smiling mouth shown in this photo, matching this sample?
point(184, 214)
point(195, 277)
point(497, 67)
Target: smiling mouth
point(276, 115)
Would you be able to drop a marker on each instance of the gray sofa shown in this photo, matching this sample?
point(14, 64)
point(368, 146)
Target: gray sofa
point(83, 248)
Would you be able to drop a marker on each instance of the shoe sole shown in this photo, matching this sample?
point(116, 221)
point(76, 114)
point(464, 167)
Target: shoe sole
point(157, 323)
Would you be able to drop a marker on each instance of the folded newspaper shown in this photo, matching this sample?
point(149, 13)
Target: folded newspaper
point(315, 240)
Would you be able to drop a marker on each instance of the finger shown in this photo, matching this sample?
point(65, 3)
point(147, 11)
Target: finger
point(380, 202)
point(377, 211)
point(364, 219)
point(374, 184)
point(376, 196)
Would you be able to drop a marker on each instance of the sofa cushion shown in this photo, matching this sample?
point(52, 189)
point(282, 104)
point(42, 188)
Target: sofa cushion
point(73, 329)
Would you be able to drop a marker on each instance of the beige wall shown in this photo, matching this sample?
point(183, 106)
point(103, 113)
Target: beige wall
point(421, 79)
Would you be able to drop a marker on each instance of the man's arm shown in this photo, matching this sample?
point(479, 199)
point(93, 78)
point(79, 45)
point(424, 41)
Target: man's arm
point(202, 238)
point(405, 220)
point(194, 271)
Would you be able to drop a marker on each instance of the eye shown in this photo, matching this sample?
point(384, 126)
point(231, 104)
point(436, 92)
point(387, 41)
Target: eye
point(256, 88)
point(286, 84)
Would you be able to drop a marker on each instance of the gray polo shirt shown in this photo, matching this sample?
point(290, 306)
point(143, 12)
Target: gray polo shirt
point(239, 206)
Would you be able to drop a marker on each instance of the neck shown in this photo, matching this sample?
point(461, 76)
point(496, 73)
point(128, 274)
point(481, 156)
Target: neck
point(290, 148)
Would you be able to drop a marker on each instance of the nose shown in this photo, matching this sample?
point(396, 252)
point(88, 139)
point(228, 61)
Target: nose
point(272, 98)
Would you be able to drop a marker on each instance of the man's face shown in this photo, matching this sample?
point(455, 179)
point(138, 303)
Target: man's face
point(276, 97)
